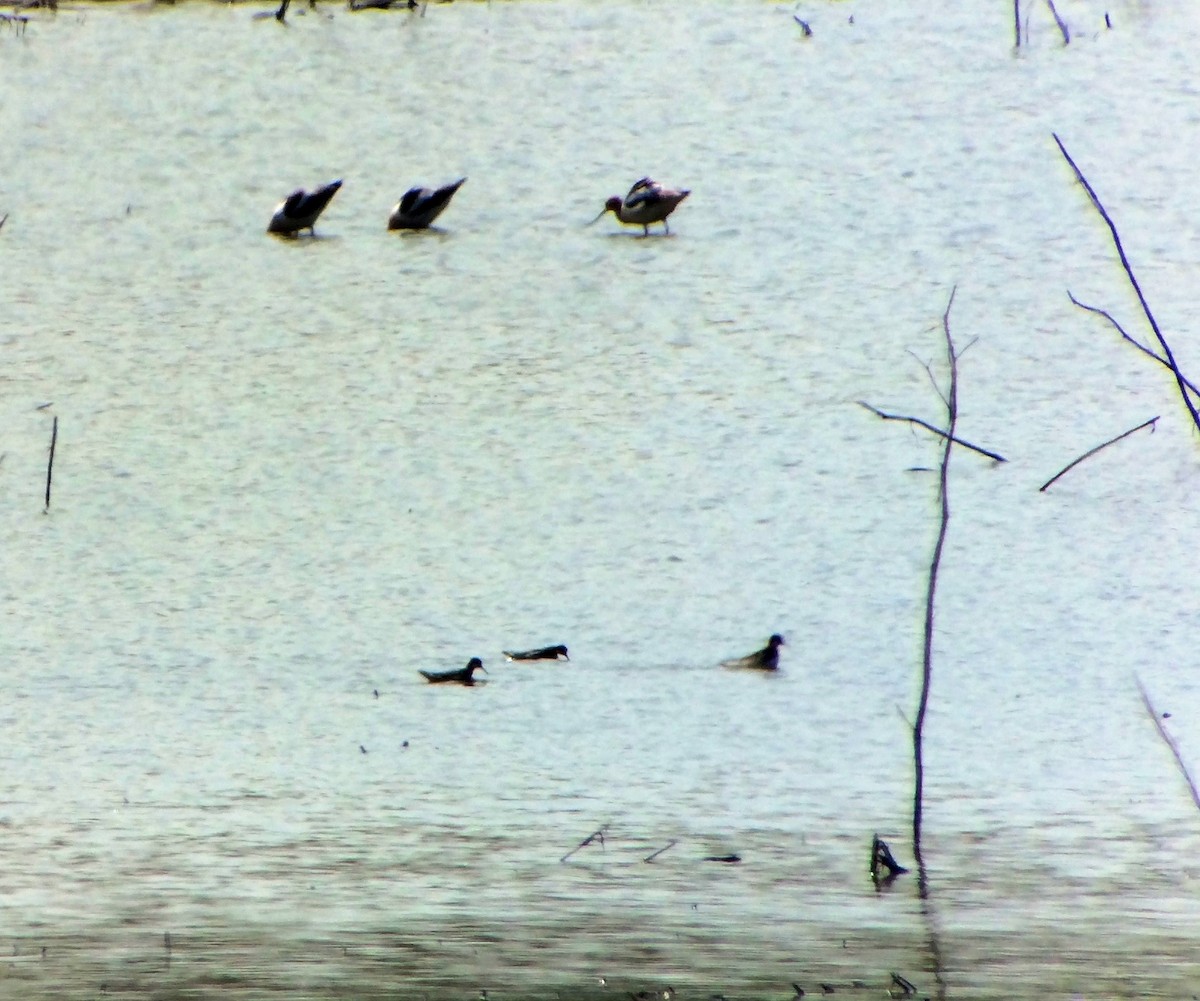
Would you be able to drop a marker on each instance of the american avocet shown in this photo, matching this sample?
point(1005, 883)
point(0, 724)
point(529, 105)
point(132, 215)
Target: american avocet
point(545, 653)
point(420, 206)
point(647, 202)
point(766, 659)
point(461, 676)
point(300, 209)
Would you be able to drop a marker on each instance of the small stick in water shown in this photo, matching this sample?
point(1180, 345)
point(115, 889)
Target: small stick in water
point(670, 844)
point(50, 464)
point(598, 833)
point(1151, 424)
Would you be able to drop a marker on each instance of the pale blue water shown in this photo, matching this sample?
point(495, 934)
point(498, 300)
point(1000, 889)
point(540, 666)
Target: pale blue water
point(292, 474)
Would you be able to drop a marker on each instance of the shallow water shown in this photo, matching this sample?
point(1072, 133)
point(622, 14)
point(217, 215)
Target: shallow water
point(289, 474)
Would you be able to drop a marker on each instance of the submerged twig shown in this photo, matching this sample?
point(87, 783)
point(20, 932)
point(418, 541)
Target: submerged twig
point(918, 730)
point(670, 844)
point(596, 835)
point(931, 427)
point(882, 858)
point(1090, 452)
point(1062, 25)
point(1132, 340)
point(50, 462)
point(1116, 238)
point(1169, 741)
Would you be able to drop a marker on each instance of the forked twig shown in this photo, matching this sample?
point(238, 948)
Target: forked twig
point(931, 427)
point(1169, 741)
point(1116, 238)
point(1088, 454)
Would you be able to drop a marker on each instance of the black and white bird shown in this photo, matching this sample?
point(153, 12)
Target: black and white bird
point(647, 202)
point(301, 208)
point(421, 206)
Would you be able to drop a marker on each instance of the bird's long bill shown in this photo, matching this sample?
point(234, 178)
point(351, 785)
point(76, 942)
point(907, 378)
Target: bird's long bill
point(599, 217)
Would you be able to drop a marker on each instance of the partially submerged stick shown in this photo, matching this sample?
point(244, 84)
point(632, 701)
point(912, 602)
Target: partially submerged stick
point(918, 730)
point(670, 844)
point(1169, 741)
point(931, 427)
point(882, 858)
point(1088, 454)
point(50, 463)
point(1062, 25)
point(597, 834)
point(1116, 238)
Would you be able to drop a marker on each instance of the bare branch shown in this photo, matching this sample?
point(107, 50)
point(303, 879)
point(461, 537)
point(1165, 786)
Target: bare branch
point(1090, 452)
point(930, 595)
point(931, 427)
point(1136, 343)
point(1169, 741)
point(1062, 25)
point(1116, 237)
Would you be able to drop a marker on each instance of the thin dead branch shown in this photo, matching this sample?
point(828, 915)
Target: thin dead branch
point(670, 844)
point(50, 462)
point(881, 859)
point(996, 456)
point(918, 730)
point(1062, 25)
point(1088, 454)
point(596, 835)
point(1116, 238)
point(1132, 340)
point(1169, 741)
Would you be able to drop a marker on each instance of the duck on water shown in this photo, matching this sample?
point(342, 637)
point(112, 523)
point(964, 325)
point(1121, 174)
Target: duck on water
point(766, 659)
point(460, 676)
point(543, 653)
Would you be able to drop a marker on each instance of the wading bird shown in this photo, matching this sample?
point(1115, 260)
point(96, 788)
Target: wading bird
point(647, 202)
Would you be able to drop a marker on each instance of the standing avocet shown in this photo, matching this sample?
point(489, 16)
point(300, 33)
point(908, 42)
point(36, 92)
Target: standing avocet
point(647, 202)
point(300, 209)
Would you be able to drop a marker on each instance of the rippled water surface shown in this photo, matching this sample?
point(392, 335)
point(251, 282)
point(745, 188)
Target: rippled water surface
point(290, 474)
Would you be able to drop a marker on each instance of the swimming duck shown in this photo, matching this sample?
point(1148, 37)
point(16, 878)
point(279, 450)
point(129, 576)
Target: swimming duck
point(300, 209)
point(420, 206)
point(461, 676)
point(647, 202)
point(545, 653)
point(766, 659)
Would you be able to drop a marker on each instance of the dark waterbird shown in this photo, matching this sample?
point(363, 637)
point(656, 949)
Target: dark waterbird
point(461, 676)
point(420, 206)
point(544, 653)
point(766, 659)
point(301, 208)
